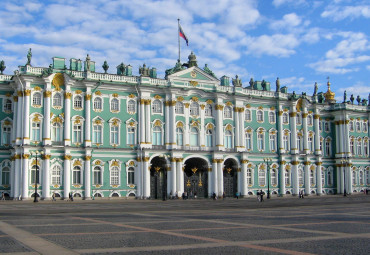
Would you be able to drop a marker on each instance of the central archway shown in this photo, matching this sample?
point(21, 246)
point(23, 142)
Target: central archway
point(158, 178)
point(196, 177)
point(230, 177)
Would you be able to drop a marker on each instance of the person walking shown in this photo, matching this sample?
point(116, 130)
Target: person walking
point(261, 192)
point(53, 197)
point(258, 196)
point(237, 195)
point(2, 196)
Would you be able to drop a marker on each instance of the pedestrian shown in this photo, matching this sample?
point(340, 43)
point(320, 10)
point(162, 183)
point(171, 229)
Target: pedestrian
point(258, 196)
point(214, 196)
point(261, 192)
point(223, 195)
point(237, 195)
point(53, 197)
point(183, 196)
point(2, 196)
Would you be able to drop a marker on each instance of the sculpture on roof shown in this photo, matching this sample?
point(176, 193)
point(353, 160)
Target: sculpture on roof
point(87, 62)
point(352, 98)
point(345, 96)
point(237, 82)
point(47, 72)
point(251, 83)
point(178, 67)
point(263, 84)
point(2, 66)
point(144, 71)
point(29, 57)
point(358, 99)
point(315, 89)
point(105, 66)
point(208, 71)
point(121, 68)
point(277, 84)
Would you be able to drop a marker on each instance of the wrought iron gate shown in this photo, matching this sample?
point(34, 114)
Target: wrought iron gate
point(196, 182)
point(230, 182)
point(158, 183)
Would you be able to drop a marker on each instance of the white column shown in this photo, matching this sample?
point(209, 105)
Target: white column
point(88, 122)
point(180, 176)
point(17, 176)
point(295, 181)
point(46, 177)
point(346, 135)
point(67, 121)
point(46, 139)
point(316, 123)
point(146, 175)
point(282, 178)
point(202, 130)
point(340, 178)
point(244, 184)
point(305, 133)
point(307, 184)
point(241, 128)
point(219, 127)
point(349, 182)
point(167, 129)
point(26, 116)
point(12, 176)
point(15, 123)
point(147, 123)
point(19, 118)
point(186, 128)
point(239, 174)
point(237, 129)
point(138, 178)
point(141, 122)
point(173, 176)
point(25, 181)
point(210, 181)
point(67, 175)
point(215, 176)
point(172, 124)
point(318, 179)
point(220, 177)
point(87, 177)
point(280, 129)
point(293, 138)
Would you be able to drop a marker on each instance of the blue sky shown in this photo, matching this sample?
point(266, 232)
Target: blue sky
point(299, 41)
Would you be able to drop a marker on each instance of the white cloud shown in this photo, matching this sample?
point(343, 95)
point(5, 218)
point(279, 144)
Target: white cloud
point(289, 20)
point(278, 3)
point(337, 13)
point(278, 45)
point(338, 65)
point(357, 89)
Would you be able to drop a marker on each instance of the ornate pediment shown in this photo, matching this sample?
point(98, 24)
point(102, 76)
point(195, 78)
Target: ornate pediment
point(192, 74)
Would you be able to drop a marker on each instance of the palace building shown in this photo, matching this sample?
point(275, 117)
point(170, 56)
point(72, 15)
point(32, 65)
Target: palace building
point(68, 130)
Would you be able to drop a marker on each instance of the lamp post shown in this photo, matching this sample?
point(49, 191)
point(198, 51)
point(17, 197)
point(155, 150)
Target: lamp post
point(37, 169)
point(268, 162)
point(345, 163)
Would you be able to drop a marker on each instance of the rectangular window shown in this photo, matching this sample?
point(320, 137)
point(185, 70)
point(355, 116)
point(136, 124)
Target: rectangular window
point(97, 134)
point(36, 131)
point(114, 135)
point(77, 133)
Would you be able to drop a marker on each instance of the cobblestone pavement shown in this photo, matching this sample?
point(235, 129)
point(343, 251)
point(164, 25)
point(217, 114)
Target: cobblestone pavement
point(313, 225)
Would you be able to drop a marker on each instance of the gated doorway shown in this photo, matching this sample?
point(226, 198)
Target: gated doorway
point(196, 177)
point(230, 177)
point(158, 178)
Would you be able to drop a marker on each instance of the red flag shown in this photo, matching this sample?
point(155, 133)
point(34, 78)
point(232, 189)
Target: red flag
point(182, 34)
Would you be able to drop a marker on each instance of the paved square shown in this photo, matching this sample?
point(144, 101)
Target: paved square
point(314, 225)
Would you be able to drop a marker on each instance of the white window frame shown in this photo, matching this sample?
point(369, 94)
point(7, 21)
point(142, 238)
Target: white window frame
point(78, 102)
point(208, 110)
point(130, 171)
point(249, 177)
point(37, 99)
point(194, 109)
point(114, 179)
point(272, 117)
point(56, 179)
point(7, 105)
point(57, 102)
point(98, 104)
point(259, 116)
point(157, 107)
point(114, 105)
point(261, 177)
point(131, 106)
point(285, 118)
point(74, 181)
point(248, 115)
point(228, 112)
point(99, 170)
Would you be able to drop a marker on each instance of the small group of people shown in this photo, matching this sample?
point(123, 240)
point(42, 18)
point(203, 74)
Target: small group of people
point(260, 194)
point(70, 196)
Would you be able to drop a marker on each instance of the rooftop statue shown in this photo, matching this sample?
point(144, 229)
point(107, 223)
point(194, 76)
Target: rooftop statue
point(358, 99)
point(315, 90)
point(352, 98)
point(122, 68)
point(105, 66)
point(345, 96)
point(2, 66)
point(277, 84)
point(87, 62)
point(251, 83)
point(29, 57)
point(144, 71)
point(237, 82)
point(208, 71)
point(178, 67)
point(263, 84)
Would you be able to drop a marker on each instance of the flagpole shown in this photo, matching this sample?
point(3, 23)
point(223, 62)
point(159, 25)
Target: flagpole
point(178, 34)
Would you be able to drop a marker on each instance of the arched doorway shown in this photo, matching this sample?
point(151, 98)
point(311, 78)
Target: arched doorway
point(196, 177)
point(230, 177)
point(158, 178)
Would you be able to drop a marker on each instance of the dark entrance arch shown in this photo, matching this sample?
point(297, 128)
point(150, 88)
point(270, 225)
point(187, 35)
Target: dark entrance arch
point(196, 177)
point(230, 177)
point(158, 178)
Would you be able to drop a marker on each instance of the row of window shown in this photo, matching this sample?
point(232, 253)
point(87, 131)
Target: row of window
point(360, 126)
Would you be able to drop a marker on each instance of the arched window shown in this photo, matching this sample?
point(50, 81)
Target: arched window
point(361, 175)
point(77, 133)
point(354, 178)
point(97, 176)
point(8, 105)
point(179, 136)
point(299, 143)
point(285, 118)
point(131, 106)
point(261, 141)
point(157, 106)
point(179, 108)
point(248, 115)
point(209, 137)
point(359, 147)
point(114, 105)
point(57, 100)
point(56, 174)
point(228, 114)
point(299, 119)
point(228, 139)
point(274, 177)
point(114, 134)
point(5, 176)
point(300, 177)
point(272, 117)
point(328, 147)
point(76, 175)
point(309, 120)
point(7, 131)
point(249, 177)
point(194, 108)
point(351, 126)
point(272, 138)
point(35, 174)
point(114, 176)
point(131, 176)
point(330, 177)
point(36, 131)
point(208, 110)
point(366, 149)
point(287, 177)
point(248, 140)
point(260, 116)
point(286, 144)
point(364, 127)
point(327, 126)
point(36, 100)
point(310, 143)
point(312, 177)
point(98, 104)
point(358, 126)
point(97, 134)
point(131, 135)
point(194, 137)
point(261, 178)
point(322, 177)
point(157, 135)
point(56, 132)
point(77, 102)
point(352, 146)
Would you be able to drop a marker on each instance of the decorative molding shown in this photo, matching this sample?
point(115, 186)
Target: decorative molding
point(67, 157)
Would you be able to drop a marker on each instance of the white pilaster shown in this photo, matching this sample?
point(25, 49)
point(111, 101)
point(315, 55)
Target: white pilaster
point(138, 178)
point(17, 176)
point(295, 181)
point(26, 116)
point(46, 177)
point(210, 181)
point(12, 176)
point(146, 175)
point(148, 136)
point(186, 128)
point(244, 184)
point(25, 174)
point(220, 177)
point(20, 120)
point(237, 129)
point(305, 132)
point(318, 179)
point(14, 129)
point(67, 122)
point(46, 139)
point(293, 138)
point(307, 183)
point(280, 129)
point(241, 128)
point(316, 123)
point(219, 127)
point(88, 122)
point(88, 177)
point(173, 176)
point(282, 178)
point(215, 177)
point(167, 129)
point(67, 175)
point(180, 176)
point(172, 124)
